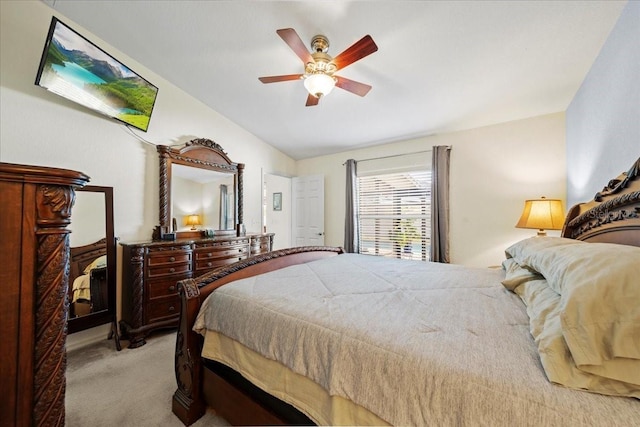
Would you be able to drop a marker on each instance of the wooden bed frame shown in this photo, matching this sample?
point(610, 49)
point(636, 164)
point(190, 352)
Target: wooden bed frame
point(613, 216)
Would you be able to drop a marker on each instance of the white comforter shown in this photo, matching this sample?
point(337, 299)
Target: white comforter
point(415, 343)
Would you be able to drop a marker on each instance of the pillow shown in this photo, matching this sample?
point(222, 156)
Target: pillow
point(515, 275)
point(99, 262)
point(599, 288)
point(543, 308)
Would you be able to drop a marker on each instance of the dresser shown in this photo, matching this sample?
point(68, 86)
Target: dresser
point(35, 211)
point(151, 270)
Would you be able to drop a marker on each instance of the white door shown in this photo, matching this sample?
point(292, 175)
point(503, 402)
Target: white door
point(307, 210)
point(277, 219)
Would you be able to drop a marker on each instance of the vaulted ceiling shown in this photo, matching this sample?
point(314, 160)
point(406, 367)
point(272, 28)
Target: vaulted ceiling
point(441, 66)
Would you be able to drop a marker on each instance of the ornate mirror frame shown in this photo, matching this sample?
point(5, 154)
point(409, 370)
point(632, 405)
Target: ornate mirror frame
point(198, 153)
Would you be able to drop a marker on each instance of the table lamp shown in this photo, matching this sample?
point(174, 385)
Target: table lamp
point(543, 214)
point(193, 220)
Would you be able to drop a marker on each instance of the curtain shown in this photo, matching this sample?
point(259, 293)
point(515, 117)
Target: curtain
point(351, 237)
point(440, 204)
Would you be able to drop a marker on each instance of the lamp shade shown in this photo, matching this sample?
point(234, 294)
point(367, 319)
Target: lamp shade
point(193, 220)
point(319, 84)
point(543, 214)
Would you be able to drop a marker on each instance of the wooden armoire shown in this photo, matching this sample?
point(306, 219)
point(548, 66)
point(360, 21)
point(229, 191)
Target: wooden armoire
point(35, 210)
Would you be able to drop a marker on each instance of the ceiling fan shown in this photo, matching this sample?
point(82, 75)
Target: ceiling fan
point(319, 78)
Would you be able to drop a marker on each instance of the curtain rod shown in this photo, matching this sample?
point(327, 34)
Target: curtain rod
point(394, 155)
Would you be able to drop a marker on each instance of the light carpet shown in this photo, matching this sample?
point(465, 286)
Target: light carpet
point(132, 387)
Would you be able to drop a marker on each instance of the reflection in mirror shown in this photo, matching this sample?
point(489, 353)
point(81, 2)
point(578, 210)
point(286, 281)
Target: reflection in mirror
point(92, 275)
point(227, 207)
point(89, 255)
point(197, 191)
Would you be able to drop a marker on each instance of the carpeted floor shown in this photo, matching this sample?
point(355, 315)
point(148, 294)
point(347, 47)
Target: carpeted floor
point(107, 388)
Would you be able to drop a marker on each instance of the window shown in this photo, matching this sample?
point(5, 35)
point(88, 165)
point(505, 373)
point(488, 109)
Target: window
point(394, 215)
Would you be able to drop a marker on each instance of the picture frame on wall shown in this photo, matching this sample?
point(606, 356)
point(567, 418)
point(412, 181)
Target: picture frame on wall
point(277, 201)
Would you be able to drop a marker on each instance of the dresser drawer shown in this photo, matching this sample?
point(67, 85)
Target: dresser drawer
point(162, 288)
point(212, 253)
point(162, 309)
point(177, 270)
point(260, 246)
point(208, 264)
point(163, 258)
point(236, 241)
point(262, 249)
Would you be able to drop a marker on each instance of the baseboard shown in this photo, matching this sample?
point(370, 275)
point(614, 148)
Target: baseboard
point(87, 337)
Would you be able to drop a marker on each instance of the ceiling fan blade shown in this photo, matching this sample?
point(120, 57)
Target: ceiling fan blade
point(276, 79)
point(294, 41)
point(311, 101)
point(352, 86)
point(363, 47)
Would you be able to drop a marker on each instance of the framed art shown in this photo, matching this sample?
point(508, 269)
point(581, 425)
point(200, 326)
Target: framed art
point(277, 201)
point(76, 69)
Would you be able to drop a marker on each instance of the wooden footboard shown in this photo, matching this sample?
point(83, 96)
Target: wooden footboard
point(189, 402)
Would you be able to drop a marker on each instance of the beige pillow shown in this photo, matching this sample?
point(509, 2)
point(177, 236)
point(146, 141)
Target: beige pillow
point(515, 275)
point(599, 288)
point(543, 308)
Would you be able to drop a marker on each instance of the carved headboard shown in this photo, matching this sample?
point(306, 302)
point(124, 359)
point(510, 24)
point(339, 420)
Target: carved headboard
point(613, 216)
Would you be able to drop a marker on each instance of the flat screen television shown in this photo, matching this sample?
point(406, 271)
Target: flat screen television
point(76, 69)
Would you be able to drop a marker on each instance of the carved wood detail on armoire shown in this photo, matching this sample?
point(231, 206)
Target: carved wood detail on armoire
point(35, 210)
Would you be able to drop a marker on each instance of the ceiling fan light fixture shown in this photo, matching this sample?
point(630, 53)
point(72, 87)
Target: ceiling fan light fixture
point(320, 67)
point(319, 84)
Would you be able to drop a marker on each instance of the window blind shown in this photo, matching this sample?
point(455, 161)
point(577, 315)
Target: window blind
point(395, 214)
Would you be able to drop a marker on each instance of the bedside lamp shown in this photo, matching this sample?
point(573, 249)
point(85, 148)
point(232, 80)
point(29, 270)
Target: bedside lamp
point(543, 214)
point(193, 220)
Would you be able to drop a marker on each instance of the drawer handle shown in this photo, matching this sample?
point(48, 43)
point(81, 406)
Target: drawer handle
point(172, 288)
point(209, 254)
point(171, 259)
point(239, 258)
point(172, 308)
point(209, 264)
point(171, 270)
point(240, 250)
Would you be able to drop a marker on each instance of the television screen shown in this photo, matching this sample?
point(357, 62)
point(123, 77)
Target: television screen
point(73, 67)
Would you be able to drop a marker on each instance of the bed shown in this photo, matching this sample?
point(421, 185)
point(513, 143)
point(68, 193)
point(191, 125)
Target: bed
point(314, 336)
point(88, 288)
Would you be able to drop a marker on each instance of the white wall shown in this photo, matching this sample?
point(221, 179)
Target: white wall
point(603, 120)
point(493, 170)
point(41, 128)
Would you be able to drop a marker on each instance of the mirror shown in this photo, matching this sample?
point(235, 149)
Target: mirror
point(200, 189)
point(92, 278)
point(206, 193)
